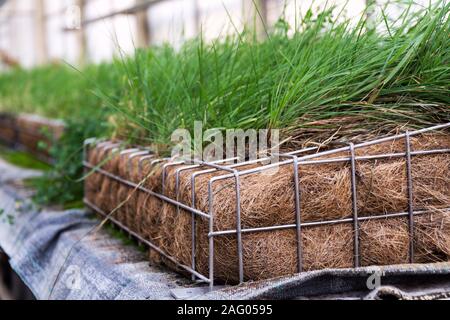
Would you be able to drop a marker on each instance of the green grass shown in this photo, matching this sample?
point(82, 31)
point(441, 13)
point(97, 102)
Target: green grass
point(324, 68)
point(23, 160)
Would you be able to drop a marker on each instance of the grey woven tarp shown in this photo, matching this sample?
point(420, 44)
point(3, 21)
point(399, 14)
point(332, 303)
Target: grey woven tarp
point(102, 267)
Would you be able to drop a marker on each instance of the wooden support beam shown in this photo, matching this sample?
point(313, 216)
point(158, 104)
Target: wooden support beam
point(255, 17)
point(197, 17)
point(81, 33)
point(143, 29)
point(41, 32)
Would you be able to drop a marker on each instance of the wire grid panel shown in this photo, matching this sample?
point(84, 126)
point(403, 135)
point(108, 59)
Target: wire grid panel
point(296, 160)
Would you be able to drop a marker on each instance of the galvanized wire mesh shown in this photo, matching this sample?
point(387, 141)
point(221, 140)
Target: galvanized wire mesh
point(295, 159)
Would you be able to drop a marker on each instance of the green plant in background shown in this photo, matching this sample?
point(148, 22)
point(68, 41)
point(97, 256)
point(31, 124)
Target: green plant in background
point(62, 184)
point(23, 160)
point(59, 91)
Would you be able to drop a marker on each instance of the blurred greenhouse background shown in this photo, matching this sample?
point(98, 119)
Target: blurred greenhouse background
point(34, 32)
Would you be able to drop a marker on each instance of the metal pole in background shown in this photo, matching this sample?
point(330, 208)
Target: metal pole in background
point(40, 27)
point(254, 14)
point(11, 42)
point(81, 34)
point(143, 28)
point(197, 18)
point(371, 13)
